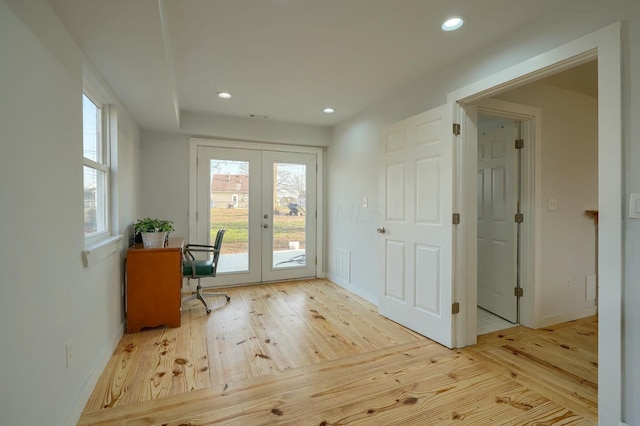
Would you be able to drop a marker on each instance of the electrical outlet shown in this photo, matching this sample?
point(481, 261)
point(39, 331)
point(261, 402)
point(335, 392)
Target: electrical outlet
point(365, 202)
point(69, 352)
point(552, 205)
point(568, 282)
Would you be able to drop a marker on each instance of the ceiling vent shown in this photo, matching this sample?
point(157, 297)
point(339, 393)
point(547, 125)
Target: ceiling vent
point(263, 117)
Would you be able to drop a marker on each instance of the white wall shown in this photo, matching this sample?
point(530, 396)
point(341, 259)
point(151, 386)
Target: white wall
point(631, 164)
point(352, 175)
point(253, 129)
point(165, 157)
point(352, 161)
point(569, 174)
point(165, 179)
point(47, 297)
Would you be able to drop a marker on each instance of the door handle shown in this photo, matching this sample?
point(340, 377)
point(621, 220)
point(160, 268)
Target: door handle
point(381, 230)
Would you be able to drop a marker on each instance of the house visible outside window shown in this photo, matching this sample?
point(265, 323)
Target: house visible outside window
point(96, 168)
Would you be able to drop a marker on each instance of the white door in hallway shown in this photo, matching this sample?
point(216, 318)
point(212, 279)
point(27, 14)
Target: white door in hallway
point(497, 205)
point(416, 231)
point(266, 200)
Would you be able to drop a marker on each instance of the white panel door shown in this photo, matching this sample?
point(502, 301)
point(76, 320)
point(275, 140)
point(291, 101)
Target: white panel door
point(416, 233)
point(497, 206)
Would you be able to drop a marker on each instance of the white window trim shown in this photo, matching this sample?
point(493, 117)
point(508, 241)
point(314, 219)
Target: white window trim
point(94, 253)
point(104, 166)
point(100, 245)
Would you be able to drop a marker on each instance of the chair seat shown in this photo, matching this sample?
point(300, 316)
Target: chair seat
point(203, 267)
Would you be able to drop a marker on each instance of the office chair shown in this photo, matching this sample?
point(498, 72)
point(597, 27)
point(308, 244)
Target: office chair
point(193, 268)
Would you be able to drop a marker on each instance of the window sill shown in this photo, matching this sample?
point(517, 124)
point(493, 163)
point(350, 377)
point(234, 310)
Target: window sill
point(94, 253)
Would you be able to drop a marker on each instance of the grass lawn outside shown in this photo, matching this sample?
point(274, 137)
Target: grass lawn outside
point(286, 229)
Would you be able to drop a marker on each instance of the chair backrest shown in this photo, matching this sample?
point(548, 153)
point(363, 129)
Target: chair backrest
point(217, 245)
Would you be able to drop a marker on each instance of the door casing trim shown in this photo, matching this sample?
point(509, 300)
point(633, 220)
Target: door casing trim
point(219, 143)
point(605, 45)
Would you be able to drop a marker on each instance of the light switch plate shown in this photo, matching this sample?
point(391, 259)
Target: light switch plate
point(634, 206)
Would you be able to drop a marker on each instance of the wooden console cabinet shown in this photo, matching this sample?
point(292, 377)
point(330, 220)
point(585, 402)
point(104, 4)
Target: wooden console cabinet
point(154, 281)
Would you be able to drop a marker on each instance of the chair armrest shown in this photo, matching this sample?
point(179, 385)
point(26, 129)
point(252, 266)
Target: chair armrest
point(199, 247)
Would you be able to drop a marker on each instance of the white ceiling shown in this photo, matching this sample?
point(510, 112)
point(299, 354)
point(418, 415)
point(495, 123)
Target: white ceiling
point(285, 59)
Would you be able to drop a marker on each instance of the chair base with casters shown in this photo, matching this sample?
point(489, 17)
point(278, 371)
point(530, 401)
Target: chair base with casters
point(193, 268)
point(199, 295)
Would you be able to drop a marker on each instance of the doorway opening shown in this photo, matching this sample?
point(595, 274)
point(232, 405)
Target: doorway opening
point(555, 272)
point(499, 217)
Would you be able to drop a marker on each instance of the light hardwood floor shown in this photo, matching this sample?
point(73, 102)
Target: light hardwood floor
point(311, 353)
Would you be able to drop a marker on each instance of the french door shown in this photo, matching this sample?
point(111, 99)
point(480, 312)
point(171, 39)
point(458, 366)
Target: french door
point(266, 200)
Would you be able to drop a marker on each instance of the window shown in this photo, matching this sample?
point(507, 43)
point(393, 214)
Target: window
point(96, 169)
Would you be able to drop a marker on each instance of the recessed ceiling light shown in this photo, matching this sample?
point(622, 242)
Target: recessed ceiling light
point(453, 23)
point(328, 110)
point(224, 95)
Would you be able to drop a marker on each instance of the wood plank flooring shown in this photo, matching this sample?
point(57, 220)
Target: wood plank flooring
point(560, 362)
point(311, 353)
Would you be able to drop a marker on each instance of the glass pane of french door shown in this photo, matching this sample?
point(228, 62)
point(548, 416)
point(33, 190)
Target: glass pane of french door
point(289, 230)
point(229, 209)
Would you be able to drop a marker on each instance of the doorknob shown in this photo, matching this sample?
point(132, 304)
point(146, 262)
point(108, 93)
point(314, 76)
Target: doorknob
point(381, 230)
point(265, 226)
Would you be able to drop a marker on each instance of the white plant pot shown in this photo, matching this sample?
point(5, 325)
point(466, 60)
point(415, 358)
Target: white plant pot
point(153, 239)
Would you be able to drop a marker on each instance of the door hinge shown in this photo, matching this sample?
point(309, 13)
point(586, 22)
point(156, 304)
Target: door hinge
point(455, 308)
point(456, 218)
point(196, 216)
point(519, 143)
point(519, 218)
point(456, 129)
point(517, 292)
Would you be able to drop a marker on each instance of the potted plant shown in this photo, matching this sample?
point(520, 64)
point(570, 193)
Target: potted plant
point(153, 231)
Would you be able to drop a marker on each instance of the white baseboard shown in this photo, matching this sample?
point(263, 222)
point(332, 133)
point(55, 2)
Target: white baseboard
point(568, 316)
point(353, 289)
point(336, 280)
point(85, 393)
